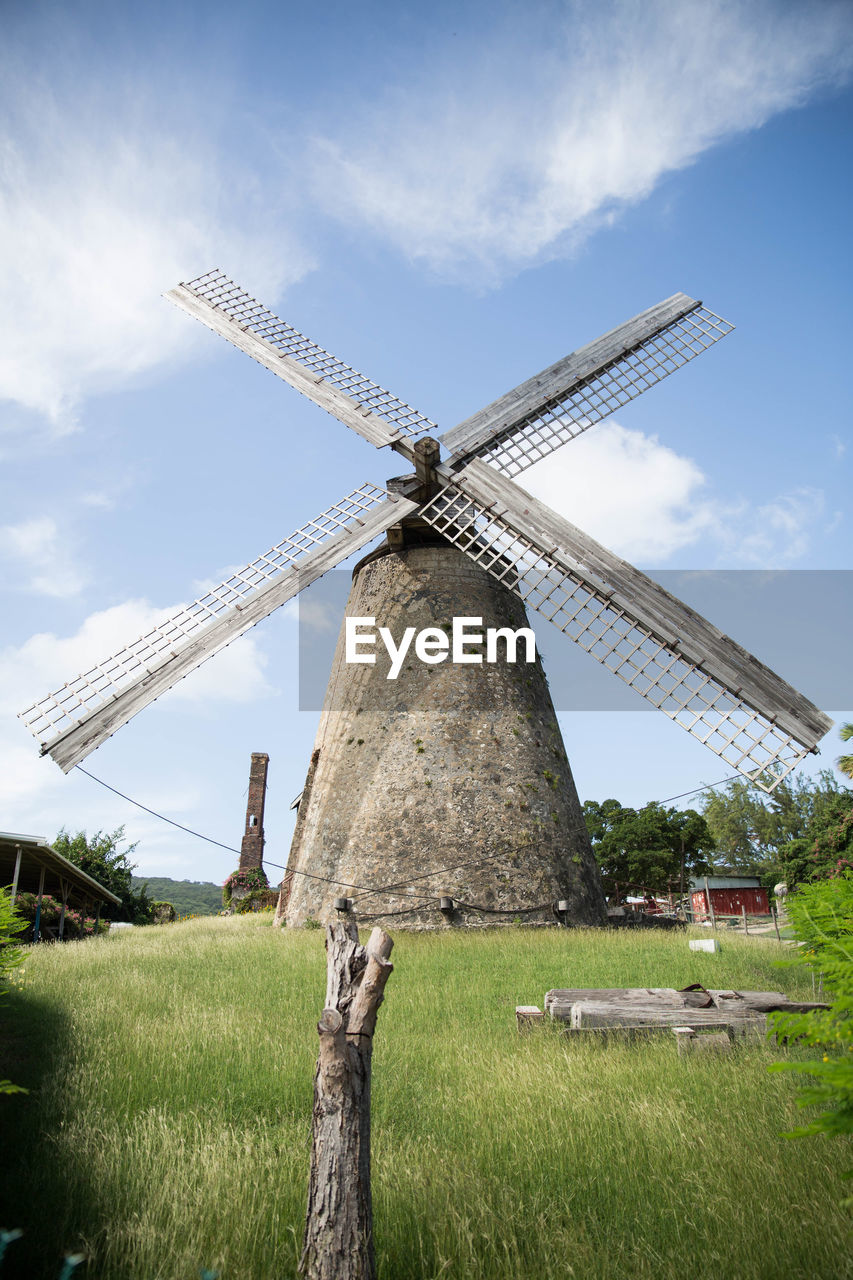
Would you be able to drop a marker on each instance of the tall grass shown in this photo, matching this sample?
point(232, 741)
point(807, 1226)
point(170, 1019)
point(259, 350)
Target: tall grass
point(168, 1125)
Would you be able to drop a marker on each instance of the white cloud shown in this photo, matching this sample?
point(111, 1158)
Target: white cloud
point(105, 204)
point(36, 797)
point(24, 779)
point(99, 501)
point(777, 532)
point(553, 123)
point(30, 785)
point(637, 496)
point(35, 548)
point(646, 502)
point(46, 661)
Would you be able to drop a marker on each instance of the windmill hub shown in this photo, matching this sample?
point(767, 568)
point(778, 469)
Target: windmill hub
point(420, 486)
point(426, 455)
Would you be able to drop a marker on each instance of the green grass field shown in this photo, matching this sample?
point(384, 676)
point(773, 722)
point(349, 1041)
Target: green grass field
point(168, 1123)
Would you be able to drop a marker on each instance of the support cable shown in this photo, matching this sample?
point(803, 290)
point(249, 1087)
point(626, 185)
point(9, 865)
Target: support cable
point(344, 884)
point(709, 786)
point(364, 890)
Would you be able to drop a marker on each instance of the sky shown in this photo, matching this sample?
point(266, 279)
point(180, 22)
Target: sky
point(449, 198)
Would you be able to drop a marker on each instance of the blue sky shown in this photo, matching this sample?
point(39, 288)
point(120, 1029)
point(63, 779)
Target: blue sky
point(448, 197)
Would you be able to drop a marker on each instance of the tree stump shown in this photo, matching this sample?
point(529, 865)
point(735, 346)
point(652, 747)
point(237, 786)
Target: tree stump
point(338, 1241)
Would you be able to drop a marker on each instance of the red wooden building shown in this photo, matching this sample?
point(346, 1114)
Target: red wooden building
point(728, 896)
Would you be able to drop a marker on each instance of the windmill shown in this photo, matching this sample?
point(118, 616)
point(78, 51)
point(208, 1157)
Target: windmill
point(466, 509)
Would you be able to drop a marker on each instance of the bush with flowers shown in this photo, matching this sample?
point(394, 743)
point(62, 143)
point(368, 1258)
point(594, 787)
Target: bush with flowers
point(247, 890)
point(242, 882)
point(51, 911)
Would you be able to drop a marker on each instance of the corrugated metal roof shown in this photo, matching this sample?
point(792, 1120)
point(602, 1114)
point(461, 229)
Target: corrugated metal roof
point(725, 882)
point(37, 853)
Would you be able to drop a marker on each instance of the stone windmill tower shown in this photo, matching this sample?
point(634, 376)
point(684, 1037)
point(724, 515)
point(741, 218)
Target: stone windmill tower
point(452, 798)
point(449, 783)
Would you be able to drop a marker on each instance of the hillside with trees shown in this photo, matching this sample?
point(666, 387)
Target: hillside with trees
point(188, 897)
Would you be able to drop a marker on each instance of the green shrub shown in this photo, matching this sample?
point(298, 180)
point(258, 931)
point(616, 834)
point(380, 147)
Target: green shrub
point(245, 882)
point(11, 955)
point(11, 924)
point(822, 917)
point(257, 900)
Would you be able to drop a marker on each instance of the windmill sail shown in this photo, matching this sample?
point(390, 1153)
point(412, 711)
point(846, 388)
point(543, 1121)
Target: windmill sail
point(367, 408)
point(545, 412)
point(77, 718)
point(671, 655)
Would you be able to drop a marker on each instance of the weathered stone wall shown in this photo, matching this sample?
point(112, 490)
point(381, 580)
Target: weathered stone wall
point(452, 780)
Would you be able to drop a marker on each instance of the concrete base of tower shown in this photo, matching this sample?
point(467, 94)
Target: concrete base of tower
point(450, 782)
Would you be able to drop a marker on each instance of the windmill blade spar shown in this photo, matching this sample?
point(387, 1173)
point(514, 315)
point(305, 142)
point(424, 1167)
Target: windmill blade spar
point(720, 693)
point(545, 412)
point(77, 718)
point(367, 408)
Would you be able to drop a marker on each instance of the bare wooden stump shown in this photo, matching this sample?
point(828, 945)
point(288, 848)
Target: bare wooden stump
point(338, 1241)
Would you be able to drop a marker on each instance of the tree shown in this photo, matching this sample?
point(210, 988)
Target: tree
point(101, 858)
point(751, 829)
point(653, 848)
point(826, 849)
point(845, 763)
